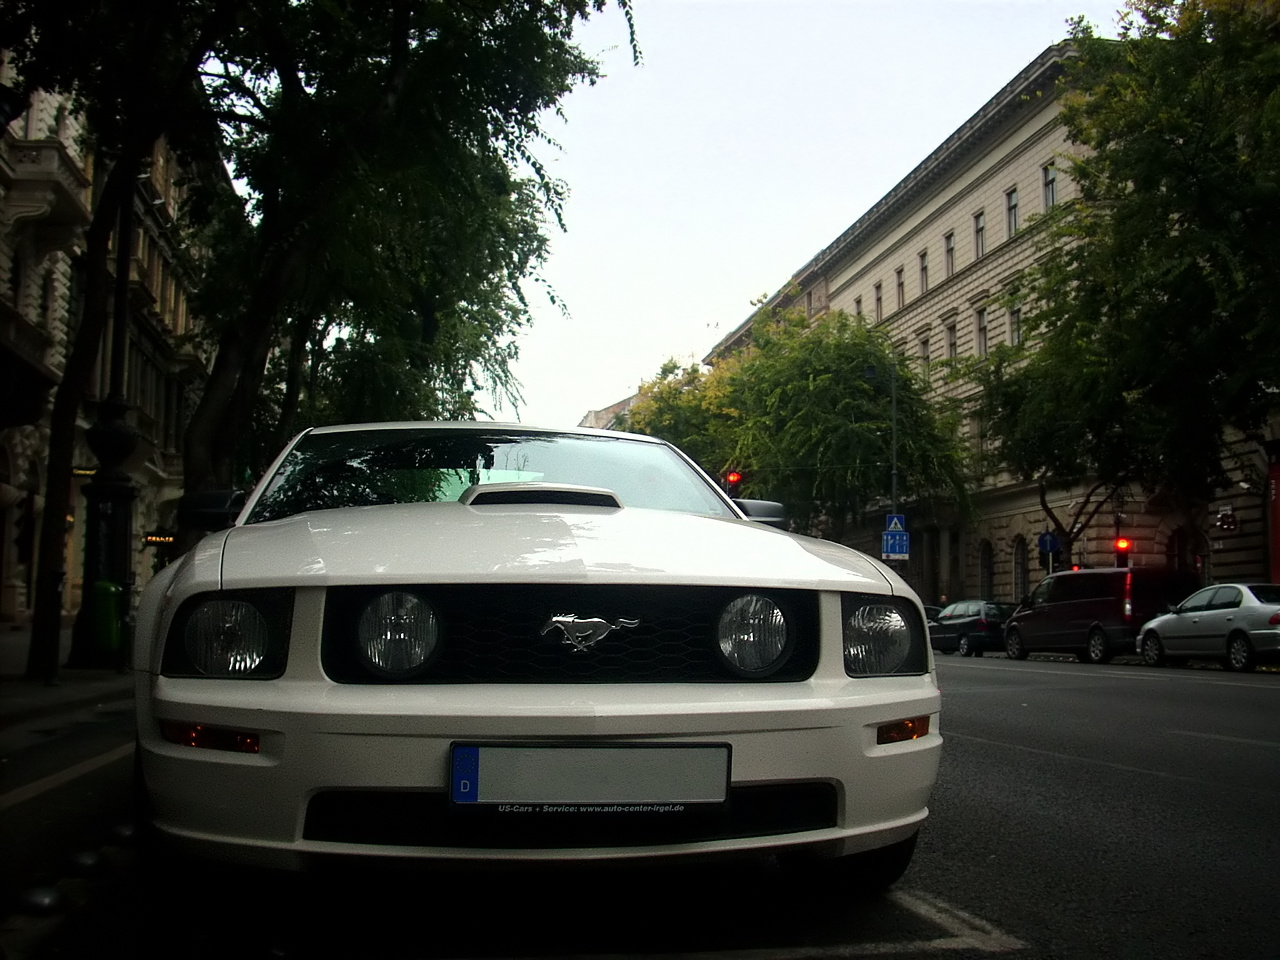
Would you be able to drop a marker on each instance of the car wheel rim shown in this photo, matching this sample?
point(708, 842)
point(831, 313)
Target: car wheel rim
point(1151, 651)
point(1095, 647)
point(1238, 654)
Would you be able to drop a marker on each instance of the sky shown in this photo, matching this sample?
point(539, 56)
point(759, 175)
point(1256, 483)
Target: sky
point(751, 135)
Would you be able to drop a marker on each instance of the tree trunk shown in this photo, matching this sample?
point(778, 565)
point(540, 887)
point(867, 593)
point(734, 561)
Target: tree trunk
point(46, 622)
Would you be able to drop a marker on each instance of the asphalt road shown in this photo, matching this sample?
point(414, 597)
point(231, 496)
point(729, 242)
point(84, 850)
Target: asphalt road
point(1082, 812)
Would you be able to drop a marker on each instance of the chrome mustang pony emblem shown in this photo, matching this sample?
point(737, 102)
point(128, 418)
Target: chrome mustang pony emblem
point(581, 634)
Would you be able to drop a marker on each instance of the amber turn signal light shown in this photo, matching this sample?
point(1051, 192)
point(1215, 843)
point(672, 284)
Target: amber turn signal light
point(912, 729)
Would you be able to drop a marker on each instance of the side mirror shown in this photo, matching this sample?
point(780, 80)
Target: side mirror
point(1025, 601)
point(210, 509)
point(765, 511)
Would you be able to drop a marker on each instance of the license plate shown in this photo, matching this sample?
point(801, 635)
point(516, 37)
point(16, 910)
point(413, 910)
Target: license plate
point(625, 774)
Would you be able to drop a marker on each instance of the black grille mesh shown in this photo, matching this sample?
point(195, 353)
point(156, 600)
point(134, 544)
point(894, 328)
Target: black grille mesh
point(493, 633)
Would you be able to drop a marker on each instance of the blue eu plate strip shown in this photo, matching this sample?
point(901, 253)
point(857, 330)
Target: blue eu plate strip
point(465, 787)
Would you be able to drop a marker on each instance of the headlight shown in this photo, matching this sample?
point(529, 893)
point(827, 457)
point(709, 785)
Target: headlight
point(396, 635)
point(241, 634)
point(752, 636)
point(882, 637)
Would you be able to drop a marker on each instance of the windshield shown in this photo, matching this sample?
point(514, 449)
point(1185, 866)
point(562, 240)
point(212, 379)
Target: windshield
point(377, 466)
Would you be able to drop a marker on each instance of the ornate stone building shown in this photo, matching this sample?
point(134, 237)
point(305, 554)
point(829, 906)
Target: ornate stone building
point(46, 201)
point(929, 263)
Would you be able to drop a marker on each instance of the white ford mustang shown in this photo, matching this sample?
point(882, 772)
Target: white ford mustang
point(487, 642)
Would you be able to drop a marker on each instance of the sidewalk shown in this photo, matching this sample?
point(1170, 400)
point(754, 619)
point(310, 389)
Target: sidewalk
point(22, 699)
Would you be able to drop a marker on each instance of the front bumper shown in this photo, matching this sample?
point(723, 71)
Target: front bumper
point(339, 763)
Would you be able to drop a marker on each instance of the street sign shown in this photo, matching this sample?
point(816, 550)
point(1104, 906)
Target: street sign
point(895, 522)
point(895, 545)
point(1048, 542)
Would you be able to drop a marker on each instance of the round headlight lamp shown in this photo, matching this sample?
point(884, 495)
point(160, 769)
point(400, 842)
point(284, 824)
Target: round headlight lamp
point(877, 640)
point(396, 635)
point(752, 636)
point(227, 638)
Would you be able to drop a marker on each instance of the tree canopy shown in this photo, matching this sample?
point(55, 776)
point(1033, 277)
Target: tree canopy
point(1153, 316)
point(806, 413)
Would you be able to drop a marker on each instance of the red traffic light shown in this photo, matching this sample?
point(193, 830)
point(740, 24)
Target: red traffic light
point(1123, 544)
point(733, 477)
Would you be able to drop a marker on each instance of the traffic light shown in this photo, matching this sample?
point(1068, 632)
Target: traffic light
point(1227, 522)
point(733, 482)
point(1123, 546)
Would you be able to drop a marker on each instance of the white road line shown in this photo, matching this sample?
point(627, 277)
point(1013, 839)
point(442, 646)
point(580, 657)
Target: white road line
point(1218, 736)
point(1071, 756)
point(967, 932)
point(977, 934)
point(22, 794)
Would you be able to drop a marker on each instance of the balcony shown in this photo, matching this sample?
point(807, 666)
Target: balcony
point(42, 185)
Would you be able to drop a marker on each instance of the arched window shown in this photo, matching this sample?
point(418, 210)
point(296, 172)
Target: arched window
point(1021, 571)
point(986, 571)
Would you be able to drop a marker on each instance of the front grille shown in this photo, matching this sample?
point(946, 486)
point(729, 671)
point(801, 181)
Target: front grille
point(431, 820)
point(494, 634)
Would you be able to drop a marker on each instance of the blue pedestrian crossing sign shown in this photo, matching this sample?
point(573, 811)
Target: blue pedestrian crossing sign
point(895, 545)
point(895, 522)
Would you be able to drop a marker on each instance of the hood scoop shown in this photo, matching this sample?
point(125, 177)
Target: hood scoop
point(559, 494)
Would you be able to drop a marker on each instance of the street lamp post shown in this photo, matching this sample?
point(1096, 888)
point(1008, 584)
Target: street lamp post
point(98, 635)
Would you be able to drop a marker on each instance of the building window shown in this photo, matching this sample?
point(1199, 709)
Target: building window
point(986, 571)
point(924, 356)
point(1021, 569)
point(1050, 174)
point(949, 254)
point(982, 332)
point(879, 303)
point(901, 284)
point(808, 303)
point(979, 234)
point(857, 306)
point(924, 271)
point(1011, 211)
point(951, 341)
point(1015, 326)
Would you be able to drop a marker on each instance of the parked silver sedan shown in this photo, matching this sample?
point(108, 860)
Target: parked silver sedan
point(1236, 623)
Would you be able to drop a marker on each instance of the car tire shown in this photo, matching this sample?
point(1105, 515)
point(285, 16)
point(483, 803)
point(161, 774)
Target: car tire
point(1014, 648)
point(963, 646)
point(1153, 651)
point(866, 874)
point(1240, 657)
point(1098, 647)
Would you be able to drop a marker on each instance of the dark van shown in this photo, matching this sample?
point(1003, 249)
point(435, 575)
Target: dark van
point(1094, 614)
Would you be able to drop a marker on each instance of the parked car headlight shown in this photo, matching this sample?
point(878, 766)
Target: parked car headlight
point(752, 635)
point(241, 634)
point(396, 634)
point(882, 637)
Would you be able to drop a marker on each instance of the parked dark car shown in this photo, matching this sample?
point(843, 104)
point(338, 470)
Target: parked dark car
point(970, 627)
point(1094, 614)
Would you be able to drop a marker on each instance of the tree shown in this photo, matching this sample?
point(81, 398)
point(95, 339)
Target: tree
point(686, 406)
point(382, 146)
point(131, 70)
point(1153, 317)
point(806, 412)
point(816, 421)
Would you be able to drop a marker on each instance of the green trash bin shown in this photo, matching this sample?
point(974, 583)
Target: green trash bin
point(106, 615)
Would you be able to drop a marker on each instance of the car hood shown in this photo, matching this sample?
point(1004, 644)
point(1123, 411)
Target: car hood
point(455, 543)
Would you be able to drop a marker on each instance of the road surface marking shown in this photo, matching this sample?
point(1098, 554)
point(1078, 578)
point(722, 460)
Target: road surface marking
point(22, 794)
point(1218, 736)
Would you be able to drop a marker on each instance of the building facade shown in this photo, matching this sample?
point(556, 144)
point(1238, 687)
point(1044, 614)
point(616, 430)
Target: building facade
point(931, 264)
point(47, 181)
